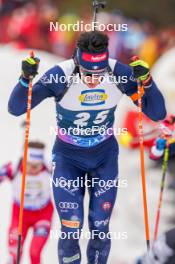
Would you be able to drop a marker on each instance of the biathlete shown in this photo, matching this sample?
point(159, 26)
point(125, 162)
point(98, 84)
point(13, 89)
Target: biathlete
point(38, 208)
point(85, 106)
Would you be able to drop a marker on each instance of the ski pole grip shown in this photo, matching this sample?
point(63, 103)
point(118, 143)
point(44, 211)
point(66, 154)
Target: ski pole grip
point(135, 58)
point(31, 54)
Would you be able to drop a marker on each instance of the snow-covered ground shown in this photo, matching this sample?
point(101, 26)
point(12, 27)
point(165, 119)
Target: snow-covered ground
point(128, 212)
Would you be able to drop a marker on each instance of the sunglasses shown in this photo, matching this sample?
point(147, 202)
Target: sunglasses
point(92, 73)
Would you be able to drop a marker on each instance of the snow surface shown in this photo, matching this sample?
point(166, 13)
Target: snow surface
point(128, 212)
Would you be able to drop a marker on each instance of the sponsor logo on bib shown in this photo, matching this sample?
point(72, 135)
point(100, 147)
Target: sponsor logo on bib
point(93, 97)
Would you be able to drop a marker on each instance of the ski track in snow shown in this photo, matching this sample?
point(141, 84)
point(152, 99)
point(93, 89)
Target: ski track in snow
point(128, 212)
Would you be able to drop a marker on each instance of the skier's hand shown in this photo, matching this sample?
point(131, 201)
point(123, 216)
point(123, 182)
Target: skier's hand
point(141, 70)
point(30, 67)
point(161, 143)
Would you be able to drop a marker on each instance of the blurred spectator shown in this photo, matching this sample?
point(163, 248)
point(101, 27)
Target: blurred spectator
point(63, 42)
point(29, 26)
point(6, 6)
point(167, 39)
point(26, 24)
point(150, 49)
point(123, 43)
point(116, 44)
point(6, 9)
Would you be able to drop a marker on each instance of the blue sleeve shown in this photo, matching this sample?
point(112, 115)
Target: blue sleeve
point(51, 84)
point(5, 172)
point(153, 103)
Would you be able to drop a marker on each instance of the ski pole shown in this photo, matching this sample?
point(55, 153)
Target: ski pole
point(27, 129)
point(97, 5)
point(142, 161)
point(162, 185)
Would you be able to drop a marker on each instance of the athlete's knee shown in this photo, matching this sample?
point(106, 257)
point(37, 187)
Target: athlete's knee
point(42, 229)
point(70, 238)
point(99, 225)
point(100, 235)
point(68, 243)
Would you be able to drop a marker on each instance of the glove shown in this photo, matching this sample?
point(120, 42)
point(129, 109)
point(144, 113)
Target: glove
point(30, 67)
point(160, 143)
point(141, 71)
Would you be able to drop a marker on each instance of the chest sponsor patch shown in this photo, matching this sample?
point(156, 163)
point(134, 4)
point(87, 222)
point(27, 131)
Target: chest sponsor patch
point(93, 97)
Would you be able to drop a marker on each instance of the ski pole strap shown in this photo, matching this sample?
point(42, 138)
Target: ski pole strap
point(24, 83)
point(137, 95)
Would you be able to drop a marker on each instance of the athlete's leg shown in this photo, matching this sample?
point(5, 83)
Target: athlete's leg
point(69, 204)
point(40, 233)
point(102, 199)
point(13, 234)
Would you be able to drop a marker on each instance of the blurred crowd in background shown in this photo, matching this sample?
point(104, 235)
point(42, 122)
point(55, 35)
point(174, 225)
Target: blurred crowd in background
point(25, 24)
